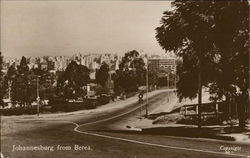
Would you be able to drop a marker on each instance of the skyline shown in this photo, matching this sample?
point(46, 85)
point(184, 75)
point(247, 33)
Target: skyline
point(62, 28)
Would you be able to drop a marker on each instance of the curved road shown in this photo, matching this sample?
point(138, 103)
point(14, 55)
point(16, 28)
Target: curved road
point(80, 136)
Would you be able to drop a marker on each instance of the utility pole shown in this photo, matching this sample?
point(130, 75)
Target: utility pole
point(168, 81)
point(199, 99)
point(38, 98)
point(168, 86)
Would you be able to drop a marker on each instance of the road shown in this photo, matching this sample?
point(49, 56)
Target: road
point(99, 136)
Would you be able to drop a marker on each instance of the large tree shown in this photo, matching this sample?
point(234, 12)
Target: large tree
point(230, 34)
point(208, 35)
point(20, 84)
point(102, 74)
point(185, 31)
point(71, 83)
point(8, 79)
point(131, 73)
point(41, 80)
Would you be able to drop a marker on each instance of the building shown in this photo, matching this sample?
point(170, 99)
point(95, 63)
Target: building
point(168, 64)
point(60, 63)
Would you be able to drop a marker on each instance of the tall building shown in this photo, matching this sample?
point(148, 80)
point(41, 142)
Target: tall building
point(162, 63)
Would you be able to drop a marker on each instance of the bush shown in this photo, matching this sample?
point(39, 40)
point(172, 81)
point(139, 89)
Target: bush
point(104, 99)
point(67, 107)
point(101, 90)
point(60, 104)
point(91, 103)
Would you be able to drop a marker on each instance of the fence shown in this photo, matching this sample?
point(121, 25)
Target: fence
point(214, 109)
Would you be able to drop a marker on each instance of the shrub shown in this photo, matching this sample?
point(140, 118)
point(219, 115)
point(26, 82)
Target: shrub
point(104, 99)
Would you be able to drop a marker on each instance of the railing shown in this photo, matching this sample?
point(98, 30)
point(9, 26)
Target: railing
point(206, 108)
point(216, 109)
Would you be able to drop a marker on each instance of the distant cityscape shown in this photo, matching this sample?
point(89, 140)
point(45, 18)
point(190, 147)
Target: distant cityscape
point(55, 66)
point(92, 61)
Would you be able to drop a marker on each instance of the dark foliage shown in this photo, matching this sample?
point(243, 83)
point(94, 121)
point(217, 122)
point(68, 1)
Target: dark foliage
point(131, 73)
point(102, 74)
point(71, 84)
point(212, 37)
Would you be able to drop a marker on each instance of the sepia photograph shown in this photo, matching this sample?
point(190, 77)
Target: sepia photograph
point(124, 79)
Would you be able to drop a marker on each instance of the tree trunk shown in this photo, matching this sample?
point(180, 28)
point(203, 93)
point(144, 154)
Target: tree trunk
point(228, 103)
point(242, 102)
point(199, 99)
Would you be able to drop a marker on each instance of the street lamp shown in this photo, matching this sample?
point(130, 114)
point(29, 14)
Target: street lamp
point(168, 80)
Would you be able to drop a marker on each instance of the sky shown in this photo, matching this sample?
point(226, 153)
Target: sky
point(41, 28)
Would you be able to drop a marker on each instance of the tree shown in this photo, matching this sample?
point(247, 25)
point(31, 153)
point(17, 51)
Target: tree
point(118, 82)
point(208, 38)
point(230, 34)
point(152, 77)
point(140, 71)
point(131, 73)
point(127, 60)
point(23, 67)
point(71, 83)
point(181, 32)
point(44, 80)
point(8, 79)
point(102, 74)
point(19, 87)
point(101, 90)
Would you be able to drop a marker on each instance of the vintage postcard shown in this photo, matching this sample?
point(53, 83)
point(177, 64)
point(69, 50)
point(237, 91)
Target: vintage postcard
point(124, 79)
